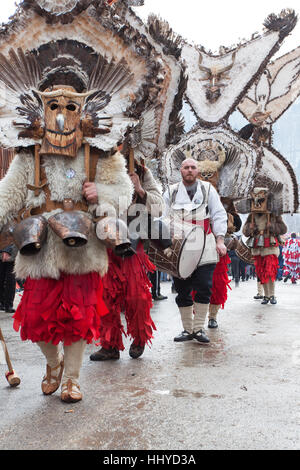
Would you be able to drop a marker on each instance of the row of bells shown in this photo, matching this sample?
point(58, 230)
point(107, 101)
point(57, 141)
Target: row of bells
point(74, 228)
point(260, 242)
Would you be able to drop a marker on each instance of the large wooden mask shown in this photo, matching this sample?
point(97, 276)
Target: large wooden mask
point(259, 200)
point(63, 108)
point(211, 156)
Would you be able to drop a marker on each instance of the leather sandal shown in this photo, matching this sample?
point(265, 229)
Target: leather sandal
point(51, 382)
point(70, 392)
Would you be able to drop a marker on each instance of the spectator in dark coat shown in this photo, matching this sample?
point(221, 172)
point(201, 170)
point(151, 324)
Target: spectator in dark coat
point(235, 266)
point(7, 278)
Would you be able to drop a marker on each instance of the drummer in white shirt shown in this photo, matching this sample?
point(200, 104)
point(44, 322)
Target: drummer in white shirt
point(199, 203)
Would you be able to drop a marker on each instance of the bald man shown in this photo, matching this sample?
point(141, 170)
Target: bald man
point(199, 203)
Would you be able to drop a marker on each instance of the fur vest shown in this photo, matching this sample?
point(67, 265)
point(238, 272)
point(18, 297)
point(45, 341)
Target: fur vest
point(65, 178)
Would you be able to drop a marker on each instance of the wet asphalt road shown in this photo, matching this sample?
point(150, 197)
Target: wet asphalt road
point(241, 392)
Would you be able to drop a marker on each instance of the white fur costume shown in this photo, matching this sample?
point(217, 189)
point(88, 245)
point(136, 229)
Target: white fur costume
point(112, 183)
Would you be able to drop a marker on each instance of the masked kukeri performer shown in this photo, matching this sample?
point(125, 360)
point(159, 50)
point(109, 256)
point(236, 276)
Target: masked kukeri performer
point(199, 203)
point(126, 285)
point(60, 255)
point(291, 257)
point(264, 227)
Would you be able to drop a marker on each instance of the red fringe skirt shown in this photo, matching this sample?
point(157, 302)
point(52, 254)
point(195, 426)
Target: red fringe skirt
point(67, 309)
point(127, 289)
point(266, 267)
point(221, 282)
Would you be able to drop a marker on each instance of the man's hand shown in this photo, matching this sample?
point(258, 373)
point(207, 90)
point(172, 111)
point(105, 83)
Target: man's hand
point(89, 191)
point(137, 184)
point(221, 248)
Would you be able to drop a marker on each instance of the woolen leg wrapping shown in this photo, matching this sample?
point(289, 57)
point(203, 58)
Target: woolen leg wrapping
point(213, 311)
point(271, 288)
point(187, 318)
point(73, 360)
point(260, 289)
point(200, 311)
point(51, 352)
point(266, 289)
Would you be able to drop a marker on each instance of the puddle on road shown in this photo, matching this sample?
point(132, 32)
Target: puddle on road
point(213, 354)
point(177, 393)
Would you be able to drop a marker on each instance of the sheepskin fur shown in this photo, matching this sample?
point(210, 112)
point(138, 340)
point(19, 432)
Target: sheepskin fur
point(112, 183)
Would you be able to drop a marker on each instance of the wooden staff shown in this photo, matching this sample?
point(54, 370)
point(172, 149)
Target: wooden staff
point(131, 161)
point(268, 224)
point(87, 160)
point(12, 378)
point(37, 169)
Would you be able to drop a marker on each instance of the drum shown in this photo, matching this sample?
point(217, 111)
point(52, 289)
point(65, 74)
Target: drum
point(243, 252)
point(182, 258)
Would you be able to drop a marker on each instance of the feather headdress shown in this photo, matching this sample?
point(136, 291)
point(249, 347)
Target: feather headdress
point(235, 159)
point(275, 90)
point(88, 52)
point(217, 83)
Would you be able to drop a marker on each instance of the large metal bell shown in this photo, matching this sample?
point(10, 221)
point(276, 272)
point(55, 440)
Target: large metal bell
point(250, 242)
point(73, 227)
point(30, 234)
point(113, 233)
point(261, 241)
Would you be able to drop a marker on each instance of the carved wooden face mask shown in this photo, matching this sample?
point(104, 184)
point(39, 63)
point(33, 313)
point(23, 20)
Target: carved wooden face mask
point(259, 202)
point(211, 157)
point(63, 134)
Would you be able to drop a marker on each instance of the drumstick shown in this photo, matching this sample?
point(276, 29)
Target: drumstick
point(131, 161)
point(37, 169)
point(87, 156)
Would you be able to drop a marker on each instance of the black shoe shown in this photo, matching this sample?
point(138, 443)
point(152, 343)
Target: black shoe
point(265, 300)
point(105, 354)
point(159, 297)
point(9, 310)
point(287, 278)
point(273, 300)
point(201, 337)
point(173, 290)
point(212, 323)
point(257, 296)
point(294, 282)
point(184, 336)
point(136, 350)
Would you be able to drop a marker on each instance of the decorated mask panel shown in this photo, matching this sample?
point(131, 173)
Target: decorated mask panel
point(259, 202)
point(210, 156)
point(63, 109)
point(215, 77)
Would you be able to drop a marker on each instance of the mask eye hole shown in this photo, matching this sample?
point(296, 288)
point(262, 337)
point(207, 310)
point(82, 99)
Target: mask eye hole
point(71, 107)
point(54, 106)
